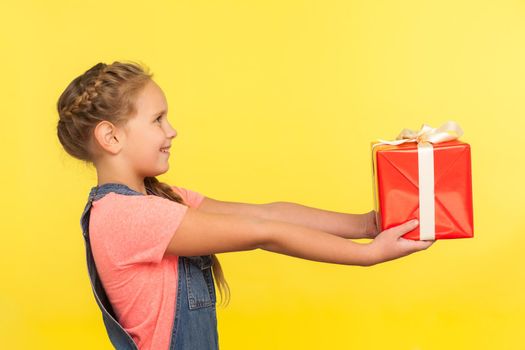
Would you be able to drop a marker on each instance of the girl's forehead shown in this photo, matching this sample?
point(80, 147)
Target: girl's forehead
point(151, 100)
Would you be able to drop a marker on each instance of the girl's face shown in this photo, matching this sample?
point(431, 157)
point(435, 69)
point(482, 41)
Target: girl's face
point(147, 132)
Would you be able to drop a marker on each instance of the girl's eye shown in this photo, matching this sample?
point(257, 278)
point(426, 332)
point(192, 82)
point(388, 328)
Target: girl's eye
point(160, 116)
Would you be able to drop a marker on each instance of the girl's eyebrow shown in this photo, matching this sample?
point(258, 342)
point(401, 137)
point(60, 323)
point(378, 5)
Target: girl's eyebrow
point(157, 114)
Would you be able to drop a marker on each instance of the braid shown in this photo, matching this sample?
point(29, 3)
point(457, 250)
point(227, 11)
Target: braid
point(161, 189)
point(84, 101)
point(104, 92)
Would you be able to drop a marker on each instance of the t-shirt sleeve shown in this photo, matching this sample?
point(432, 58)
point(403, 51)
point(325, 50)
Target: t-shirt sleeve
point(193, 198)
point(139, 228)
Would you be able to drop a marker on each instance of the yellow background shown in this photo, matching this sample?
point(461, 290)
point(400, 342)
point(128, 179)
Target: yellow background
point(276, 101)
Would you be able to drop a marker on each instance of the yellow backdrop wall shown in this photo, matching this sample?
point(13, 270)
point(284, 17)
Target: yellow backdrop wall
point(276, 101)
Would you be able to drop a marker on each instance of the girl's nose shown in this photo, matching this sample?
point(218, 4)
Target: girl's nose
point(171, 132)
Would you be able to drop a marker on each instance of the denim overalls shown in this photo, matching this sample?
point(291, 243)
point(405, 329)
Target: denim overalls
point(195, 323)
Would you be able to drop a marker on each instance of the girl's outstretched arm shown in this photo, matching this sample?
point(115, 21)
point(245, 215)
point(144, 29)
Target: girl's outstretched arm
point(344, 225)
point(317, 245)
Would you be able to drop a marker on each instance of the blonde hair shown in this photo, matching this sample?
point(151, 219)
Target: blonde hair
point(108, 92)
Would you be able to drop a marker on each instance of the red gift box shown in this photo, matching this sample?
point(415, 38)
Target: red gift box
point(400, 194)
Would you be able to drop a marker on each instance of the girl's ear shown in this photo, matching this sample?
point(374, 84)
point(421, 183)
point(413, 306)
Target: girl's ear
point(109, 137)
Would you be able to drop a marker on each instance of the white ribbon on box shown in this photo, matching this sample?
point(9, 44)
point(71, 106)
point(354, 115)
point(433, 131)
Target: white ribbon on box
point(425, 137)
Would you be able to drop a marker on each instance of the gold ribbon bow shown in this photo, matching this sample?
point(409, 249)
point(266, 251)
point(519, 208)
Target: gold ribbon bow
point(428, 134)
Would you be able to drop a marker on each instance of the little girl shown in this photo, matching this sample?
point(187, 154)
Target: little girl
point(150, 246)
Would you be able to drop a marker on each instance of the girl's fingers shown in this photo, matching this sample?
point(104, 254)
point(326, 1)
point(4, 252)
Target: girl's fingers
point(405, 227)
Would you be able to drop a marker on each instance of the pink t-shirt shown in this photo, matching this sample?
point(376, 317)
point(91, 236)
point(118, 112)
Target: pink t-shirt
point(129, 236)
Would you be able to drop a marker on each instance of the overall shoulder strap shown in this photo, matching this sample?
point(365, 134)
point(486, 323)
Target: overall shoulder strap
point(118, 336)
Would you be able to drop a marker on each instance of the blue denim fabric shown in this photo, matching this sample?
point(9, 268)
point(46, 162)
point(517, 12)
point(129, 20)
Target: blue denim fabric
point(195, 322)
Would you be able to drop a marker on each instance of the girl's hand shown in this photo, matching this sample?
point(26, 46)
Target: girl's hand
point(389, 244)
point(370, 229)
